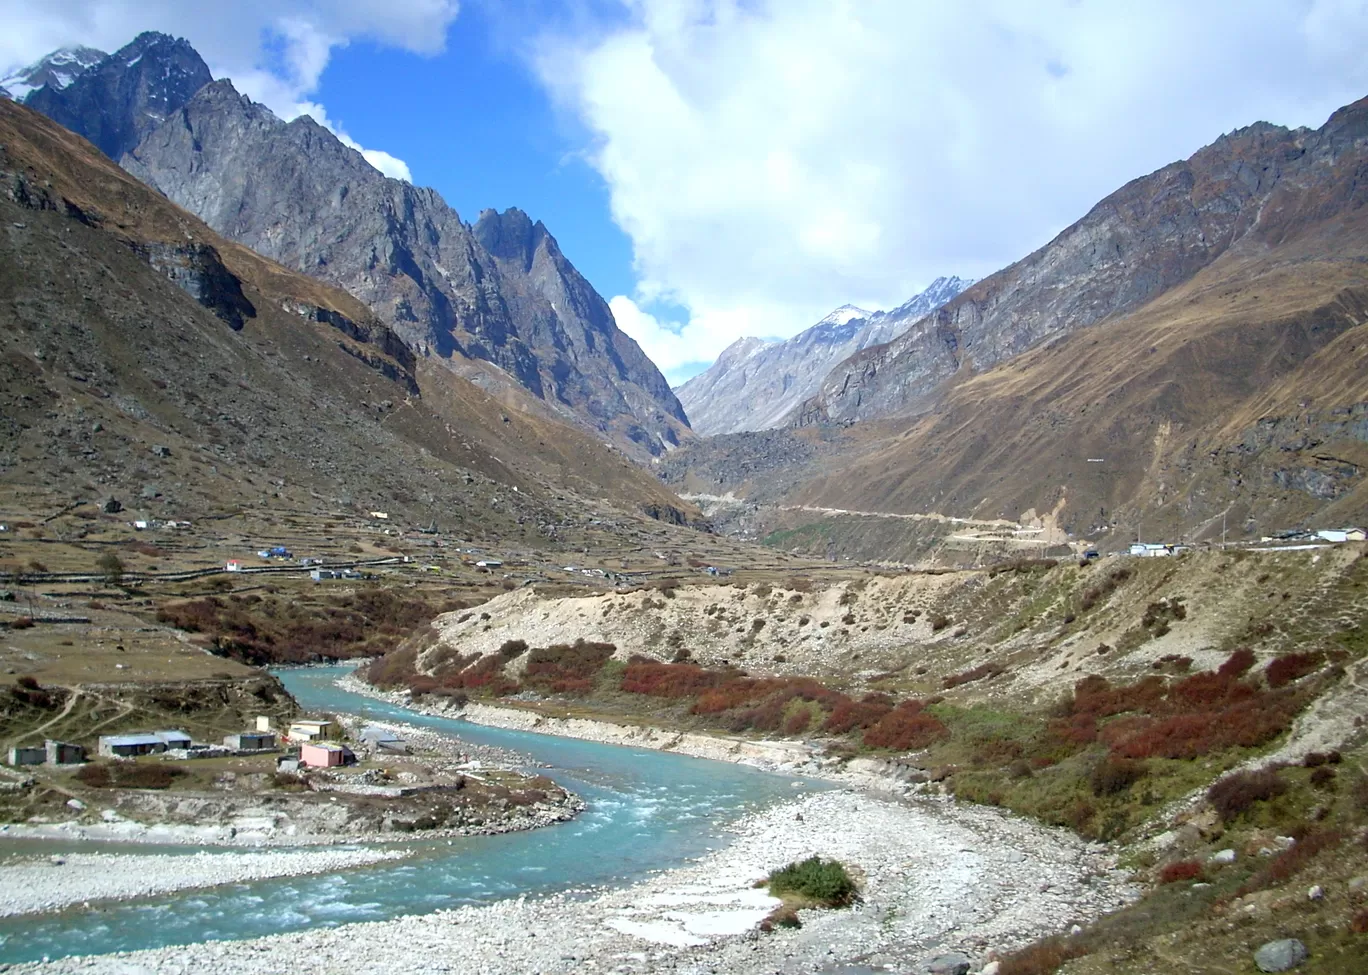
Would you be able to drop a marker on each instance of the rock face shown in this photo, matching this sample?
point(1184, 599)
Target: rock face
point(129, 331)
point(499, 291)
point(56, 70)
point(118, 100)
point(755, 385)
point(1255, 186)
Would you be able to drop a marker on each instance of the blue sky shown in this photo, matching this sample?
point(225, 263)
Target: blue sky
point(723, 168)
point(474, 123)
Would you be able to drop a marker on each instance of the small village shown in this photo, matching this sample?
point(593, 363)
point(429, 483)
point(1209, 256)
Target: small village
point(306, 743)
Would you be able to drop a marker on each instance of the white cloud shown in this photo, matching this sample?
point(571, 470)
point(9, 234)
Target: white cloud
point(772, 159)
point(275, 51)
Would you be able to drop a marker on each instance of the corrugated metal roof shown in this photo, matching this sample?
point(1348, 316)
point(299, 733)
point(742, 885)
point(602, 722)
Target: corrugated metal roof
point(144, 739)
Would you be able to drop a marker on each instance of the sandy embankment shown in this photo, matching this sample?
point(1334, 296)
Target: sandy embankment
point(936, 877)
point(36, 884)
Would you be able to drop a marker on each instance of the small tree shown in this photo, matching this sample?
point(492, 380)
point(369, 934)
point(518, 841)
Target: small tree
point(112, 568)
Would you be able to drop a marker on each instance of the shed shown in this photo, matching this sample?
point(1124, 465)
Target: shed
point(27, 755)
point(250, 741)
point(323, 755)
point(232, 565)
point(174, 739)
point(128, 746)
point(1355, 535)
point(63, 753)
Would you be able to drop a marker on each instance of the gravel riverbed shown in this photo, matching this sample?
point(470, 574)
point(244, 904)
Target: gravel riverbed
point(936, 877)
point(49, 883)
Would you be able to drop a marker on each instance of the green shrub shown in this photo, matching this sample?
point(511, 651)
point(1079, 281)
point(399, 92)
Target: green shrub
point(821, 882)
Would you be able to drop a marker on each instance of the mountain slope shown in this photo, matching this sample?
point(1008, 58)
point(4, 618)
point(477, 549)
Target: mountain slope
point(500, 291)
point(118, 100)
point(755, 385)
point(1225, 386)
point(126, 324)
point(1253, 186)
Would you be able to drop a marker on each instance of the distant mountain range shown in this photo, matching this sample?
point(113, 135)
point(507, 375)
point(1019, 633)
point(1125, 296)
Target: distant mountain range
point(756, 385)
point(1190, 353)
point(496, 293)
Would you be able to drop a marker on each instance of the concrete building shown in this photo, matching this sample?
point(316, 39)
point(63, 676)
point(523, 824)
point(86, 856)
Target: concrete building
point(1150, 550)
point(311, 730)
point(27, 755)
point(323, 755)
point(251, 741)
point(263, 723)
point(63, 753)
point(142, 743)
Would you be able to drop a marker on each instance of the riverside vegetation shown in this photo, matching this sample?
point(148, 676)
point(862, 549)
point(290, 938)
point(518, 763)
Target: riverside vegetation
point(1212, 702)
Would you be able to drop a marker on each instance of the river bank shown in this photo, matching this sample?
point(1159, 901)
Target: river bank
point(935, 878)
point(782, 756)
point(37, 884)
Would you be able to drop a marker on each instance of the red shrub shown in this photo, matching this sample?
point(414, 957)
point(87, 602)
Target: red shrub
point(981, 672)
point(865, 713)
point(798, 722)
point(1238, 664)
point(1290, 666)
point(1179, 871)
point(668, 680)
point(905, 728)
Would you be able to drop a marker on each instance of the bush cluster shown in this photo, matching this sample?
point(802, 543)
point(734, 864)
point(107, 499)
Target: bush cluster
point(1202, 713)
point(822, 882)
point(1236, 793)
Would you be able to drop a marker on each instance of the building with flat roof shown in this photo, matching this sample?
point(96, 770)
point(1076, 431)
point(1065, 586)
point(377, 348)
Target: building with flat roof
point(142, 743)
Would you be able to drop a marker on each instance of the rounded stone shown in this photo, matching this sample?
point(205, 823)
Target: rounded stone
point(1281, 956)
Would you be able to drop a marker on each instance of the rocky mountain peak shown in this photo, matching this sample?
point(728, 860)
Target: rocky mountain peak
point(844, 314)
point(499, 291)
point(56, 70)
point(117, 101)
point(510, 236)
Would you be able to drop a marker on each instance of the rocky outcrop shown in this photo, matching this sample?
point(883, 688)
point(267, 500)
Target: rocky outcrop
point(500, 290)
point(755, 385)
point(197, 270)
point(120, 99)
point(1254, 187)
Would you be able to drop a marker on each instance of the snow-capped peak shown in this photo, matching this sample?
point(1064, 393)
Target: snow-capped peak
point(846, 313)
point(57, 70)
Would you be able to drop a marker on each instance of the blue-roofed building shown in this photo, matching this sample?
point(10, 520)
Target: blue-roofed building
point(142, 743)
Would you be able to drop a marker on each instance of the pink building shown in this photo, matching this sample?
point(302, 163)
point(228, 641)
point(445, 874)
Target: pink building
point(322, 755)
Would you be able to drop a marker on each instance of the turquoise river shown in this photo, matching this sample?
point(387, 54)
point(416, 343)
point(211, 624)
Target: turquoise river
point(647, 811)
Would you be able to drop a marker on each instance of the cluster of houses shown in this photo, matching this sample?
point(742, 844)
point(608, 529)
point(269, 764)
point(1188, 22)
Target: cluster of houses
point(1309, 537)
point(312, 737)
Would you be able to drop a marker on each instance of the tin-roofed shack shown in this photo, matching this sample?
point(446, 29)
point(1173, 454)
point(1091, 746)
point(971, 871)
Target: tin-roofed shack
point(142, 743)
